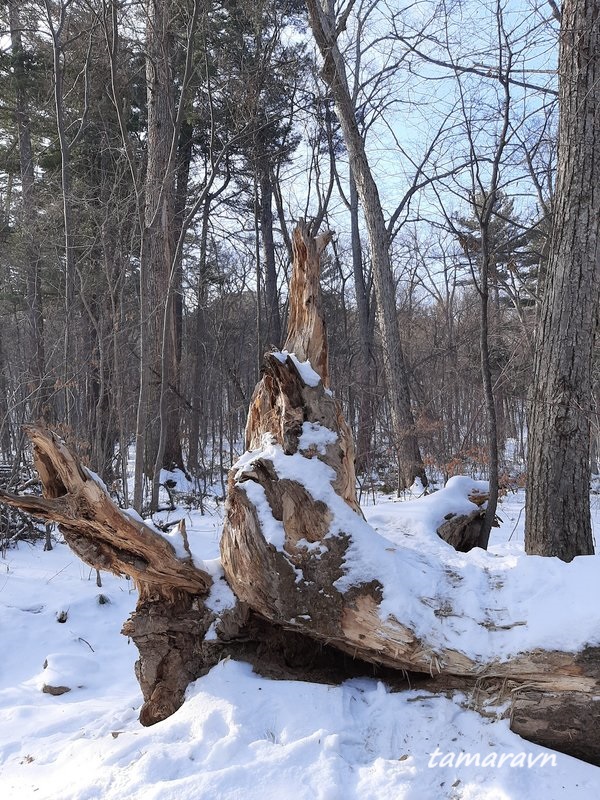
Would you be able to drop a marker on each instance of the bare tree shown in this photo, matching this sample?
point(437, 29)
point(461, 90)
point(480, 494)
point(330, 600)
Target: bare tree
point(58, 18)
point(557, 509)
point(326, 29)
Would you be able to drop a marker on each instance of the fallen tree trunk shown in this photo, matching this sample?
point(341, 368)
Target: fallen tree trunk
point(170, 618)
point(295, 546)
point(296, 549)
point(564, 721)
point(463, 531)
point(320, 594)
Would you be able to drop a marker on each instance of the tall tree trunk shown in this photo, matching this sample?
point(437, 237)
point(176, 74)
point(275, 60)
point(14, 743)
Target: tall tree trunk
point(488, 390)
point(38, 385)
point(158, 266)
point(173, 456)
point(557, 519)
point(365, 337)
point(410, 462)
point(6, 448)
point(198, 383)
point(159, 210)
point(114, 271)
point(65, 146)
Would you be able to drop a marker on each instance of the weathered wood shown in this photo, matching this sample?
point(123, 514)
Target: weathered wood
point(170, 618)
point(100, 533)
point(282, 402)
point(307, 333)
point(565, 721)
point(463, 531)
point(294, 585)
point(168, 633)
point(284, 549)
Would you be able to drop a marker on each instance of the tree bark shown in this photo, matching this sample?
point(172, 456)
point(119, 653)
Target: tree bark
point(410, 462)
point(365, 335)
point(156, 423)
point(486, 375)
point(557, 520)
point(39, 389)
point(551, 719)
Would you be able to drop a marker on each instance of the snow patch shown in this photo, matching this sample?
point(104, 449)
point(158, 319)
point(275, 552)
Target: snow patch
point(316, 435)
point(240, 735)
point(272, 529)
point(305, 370)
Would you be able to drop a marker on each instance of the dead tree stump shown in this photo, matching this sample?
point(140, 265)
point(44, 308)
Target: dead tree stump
point(312, 579)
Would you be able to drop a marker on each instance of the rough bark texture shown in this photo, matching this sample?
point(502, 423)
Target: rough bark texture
point(162, 430)
point(168, 632)
point(485, 272)
point(553, 719)
point(557, 521)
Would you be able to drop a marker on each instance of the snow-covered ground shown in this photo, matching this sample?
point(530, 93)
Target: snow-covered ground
point(239, 735)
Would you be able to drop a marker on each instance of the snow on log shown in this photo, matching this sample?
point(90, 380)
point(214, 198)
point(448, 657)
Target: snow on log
point(302, 556)
point(297, 550)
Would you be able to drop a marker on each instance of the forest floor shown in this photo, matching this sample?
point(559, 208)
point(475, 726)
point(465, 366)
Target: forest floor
point(239, 735)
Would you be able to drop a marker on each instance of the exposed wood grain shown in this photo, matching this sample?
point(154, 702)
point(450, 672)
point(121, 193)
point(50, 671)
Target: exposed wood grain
point(290, 614)
point(170, 618)
point(95, 528)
